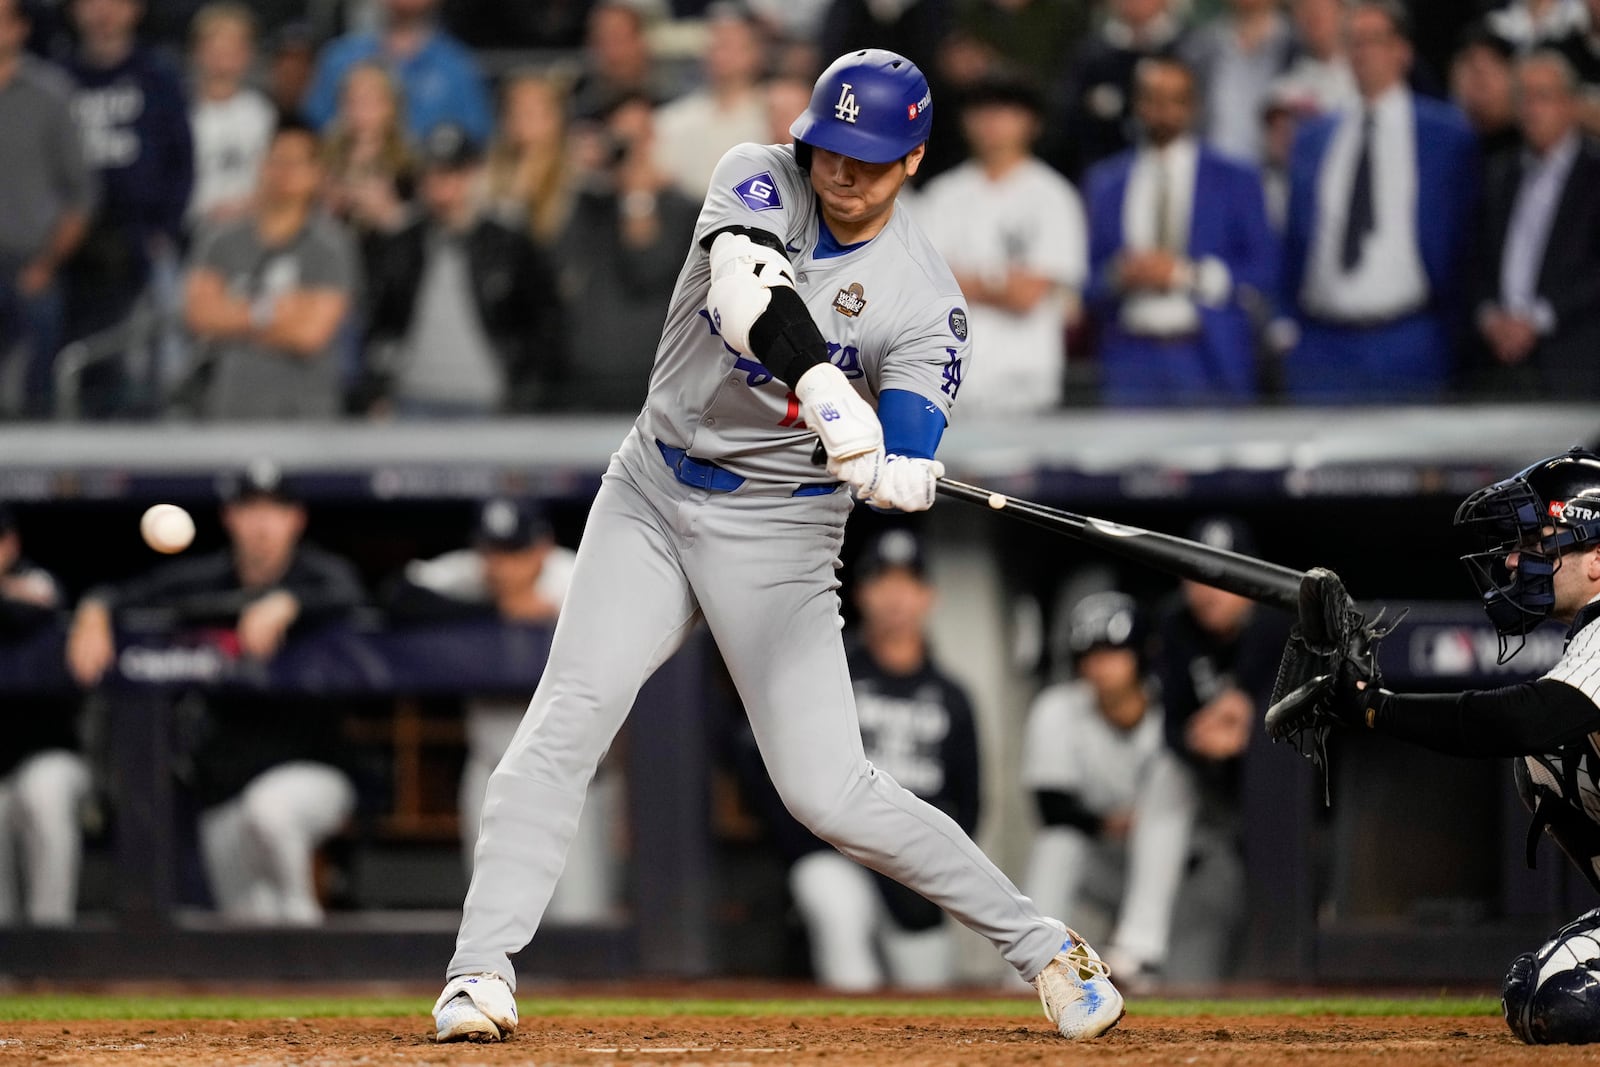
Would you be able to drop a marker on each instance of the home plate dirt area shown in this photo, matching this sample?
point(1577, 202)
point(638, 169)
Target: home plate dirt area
point(997, 1033)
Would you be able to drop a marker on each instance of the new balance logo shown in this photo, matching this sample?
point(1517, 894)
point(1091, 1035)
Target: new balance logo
point(829, 413)
point(846, 109)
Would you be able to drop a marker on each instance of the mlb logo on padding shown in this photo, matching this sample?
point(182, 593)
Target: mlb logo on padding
point(759, 193)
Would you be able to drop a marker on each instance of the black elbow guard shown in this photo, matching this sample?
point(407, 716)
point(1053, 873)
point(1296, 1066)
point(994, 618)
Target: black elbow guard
point(785, 338)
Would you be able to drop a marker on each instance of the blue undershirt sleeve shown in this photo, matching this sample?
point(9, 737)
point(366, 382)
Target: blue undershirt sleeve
point(912, 425)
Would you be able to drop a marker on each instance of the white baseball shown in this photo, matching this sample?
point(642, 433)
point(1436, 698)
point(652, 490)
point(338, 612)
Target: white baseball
point(167, 528)
point(997, 500)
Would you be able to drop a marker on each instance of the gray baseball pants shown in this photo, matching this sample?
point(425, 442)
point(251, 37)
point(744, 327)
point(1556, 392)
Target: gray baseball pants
point(757, 564)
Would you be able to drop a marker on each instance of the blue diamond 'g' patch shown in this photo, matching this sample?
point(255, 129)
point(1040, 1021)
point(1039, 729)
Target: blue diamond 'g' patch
point(759, 193)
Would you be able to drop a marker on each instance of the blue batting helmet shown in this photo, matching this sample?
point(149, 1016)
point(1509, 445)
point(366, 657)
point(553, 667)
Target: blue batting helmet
point(871, 105)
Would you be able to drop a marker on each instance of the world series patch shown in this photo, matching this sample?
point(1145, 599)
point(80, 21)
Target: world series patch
point(851, 300)
point(759, 192)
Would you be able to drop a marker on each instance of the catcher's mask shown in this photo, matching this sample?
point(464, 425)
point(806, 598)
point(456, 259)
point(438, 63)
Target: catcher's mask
point(1541, 513)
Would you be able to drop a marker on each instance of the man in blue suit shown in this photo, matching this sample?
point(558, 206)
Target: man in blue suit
point(1381, 202)
point(1179, 251)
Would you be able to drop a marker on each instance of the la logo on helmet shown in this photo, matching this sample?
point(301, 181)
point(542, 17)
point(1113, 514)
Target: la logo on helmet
point(846, 109)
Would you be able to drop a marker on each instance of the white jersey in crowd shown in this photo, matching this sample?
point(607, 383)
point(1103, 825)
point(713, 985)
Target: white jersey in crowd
point(230, 140)
point(889, 310)
point(1069, 747)
point(1031, 218)
point(693, 131)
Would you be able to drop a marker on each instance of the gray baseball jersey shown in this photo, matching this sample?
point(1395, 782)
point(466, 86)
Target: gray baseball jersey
point(751, 551)
point(890, 311)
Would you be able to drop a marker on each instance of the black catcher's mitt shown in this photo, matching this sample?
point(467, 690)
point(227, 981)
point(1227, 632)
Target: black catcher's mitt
point(1330, 649)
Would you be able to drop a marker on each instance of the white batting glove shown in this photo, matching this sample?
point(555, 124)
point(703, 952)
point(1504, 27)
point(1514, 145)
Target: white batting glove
point(863, 473)
point(907, 484)
point(843, 421)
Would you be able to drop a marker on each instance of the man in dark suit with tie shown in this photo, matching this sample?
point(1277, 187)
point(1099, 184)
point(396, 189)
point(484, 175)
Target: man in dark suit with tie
point(1179, 249)
point(1537, 289)
point(1381, 202)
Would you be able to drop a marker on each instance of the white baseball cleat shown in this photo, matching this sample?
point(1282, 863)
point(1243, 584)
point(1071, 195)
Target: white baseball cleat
point(475, 1007)
point(1076, 991)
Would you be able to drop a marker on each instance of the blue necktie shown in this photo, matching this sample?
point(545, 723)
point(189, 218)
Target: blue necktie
point(1360, 220)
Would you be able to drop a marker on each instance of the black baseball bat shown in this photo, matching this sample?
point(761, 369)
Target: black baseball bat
point(1257, 579)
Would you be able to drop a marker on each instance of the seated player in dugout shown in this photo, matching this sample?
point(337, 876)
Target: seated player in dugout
point(1214, 655)
point(811, 309)
point(515, 572)
point(44, 781)
point(1093, 747)
point(1540, 531)
point(263, 767)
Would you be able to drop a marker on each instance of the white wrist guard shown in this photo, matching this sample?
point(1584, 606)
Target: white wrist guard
point(845, 423)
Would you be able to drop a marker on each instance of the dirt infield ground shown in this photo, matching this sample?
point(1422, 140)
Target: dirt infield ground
point(935, 1041)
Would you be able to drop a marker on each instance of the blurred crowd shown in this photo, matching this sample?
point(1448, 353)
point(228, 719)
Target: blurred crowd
point(395, 209)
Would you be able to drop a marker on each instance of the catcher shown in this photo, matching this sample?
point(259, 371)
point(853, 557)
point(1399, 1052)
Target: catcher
point(1540, 531)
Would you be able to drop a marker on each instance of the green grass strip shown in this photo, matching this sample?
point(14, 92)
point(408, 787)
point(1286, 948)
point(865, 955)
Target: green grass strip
point(69, 1007)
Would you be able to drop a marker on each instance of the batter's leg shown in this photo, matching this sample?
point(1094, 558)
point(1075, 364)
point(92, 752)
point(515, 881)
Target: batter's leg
point(489, 733)
point(627, 610)
point(586, 892)
point(763, 569)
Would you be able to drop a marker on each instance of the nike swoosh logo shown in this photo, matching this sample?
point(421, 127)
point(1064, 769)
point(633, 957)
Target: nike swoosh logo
point(793, 250)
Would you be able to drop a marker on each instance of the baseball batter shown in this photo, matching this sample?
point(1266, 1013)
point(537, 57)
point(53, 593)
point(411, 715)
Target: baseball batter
point(810, 308)
point(1541, 529)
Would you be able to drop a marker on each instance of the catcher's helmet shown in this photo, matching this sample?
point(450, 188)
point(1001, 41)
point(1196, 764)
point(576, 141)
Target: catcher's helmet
point(1561, 493)
point(872, 105)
